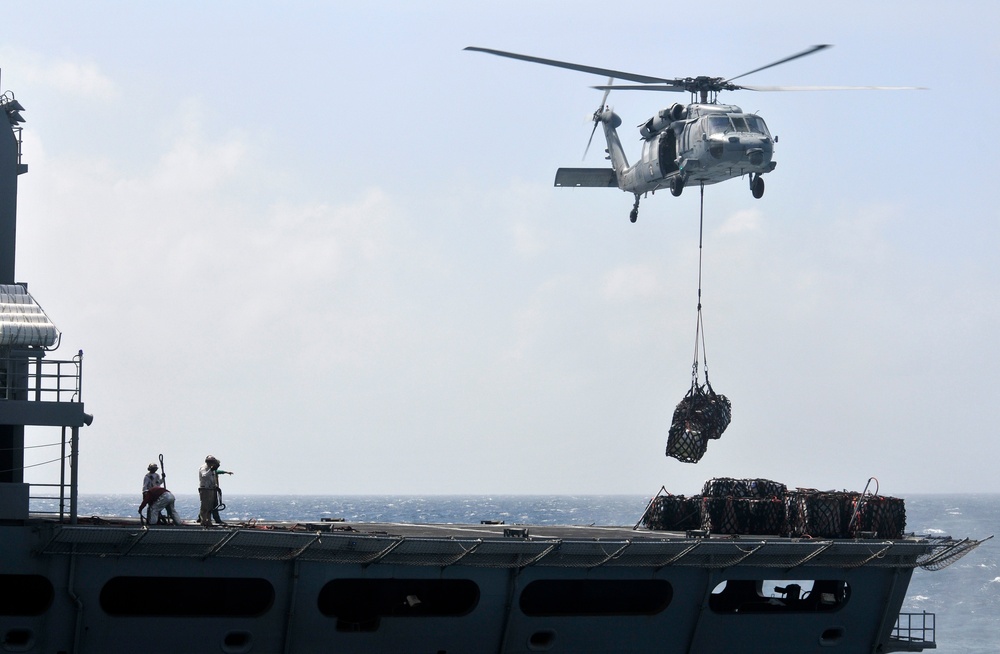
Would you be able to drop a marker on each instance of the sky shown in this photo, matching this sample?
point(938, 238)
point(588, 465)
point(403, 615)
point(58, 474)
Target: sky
point(321, 242)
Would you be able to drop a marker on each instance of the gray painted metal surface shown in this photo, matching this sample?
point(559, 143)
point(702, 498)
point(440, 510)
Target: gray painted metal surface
point(84, 563)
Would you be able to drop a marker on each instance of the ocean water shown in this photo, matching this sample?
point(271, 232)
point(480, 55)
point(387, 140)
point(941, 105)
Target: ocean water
point(964, 596)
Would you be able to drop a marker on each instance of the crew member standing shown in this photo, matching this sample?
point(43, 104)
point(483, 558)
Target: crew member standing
point(208, 489)
point(150, 481)
point(152, 478)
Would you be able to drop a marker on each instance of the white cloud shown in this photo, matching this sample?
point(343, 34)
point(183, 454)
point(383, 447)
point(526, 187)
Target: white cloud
point(70, 76)
point(631, 282)
point(192, 165)
point(84, 79)
point(746, 220)
point(527, 240)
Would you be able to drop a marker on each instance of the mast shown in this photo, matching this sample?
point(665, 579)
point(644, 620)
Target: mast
point(33, 390)
point(10, 168)
point(11, 436)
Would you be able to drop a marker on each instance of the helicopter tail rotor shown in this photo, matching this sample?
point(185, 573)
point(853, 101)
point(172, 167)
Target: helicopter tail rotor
point(597, 116)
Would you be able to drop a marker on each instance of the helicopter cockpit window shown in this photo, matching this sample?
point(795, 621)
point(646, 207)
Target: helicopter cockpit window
point(757, 125)
point(740, 124)
point(718, 125)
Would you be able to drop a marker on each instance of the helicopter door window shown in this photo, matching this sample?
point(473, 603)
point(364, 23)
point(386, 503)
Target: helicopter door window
point(740, 124)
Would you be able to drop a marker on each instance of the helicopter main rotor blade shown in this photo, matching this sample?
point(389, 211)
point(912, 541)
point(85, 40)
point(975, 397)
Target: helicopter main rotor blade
point(833, 88)
point(642, 87)
point(616, 74)
point(815, 48)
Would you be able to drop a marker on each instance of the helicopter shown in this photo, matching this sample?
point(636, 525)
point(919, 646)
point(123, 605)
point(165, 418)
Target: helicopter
point(702, 142)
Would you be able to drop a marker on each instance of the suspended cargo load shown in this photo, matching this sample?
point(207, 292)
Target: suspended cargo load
point(701, 416)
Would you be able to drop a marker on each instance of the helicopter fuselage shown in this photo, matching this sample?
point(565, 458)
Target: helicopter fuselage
point(692, 144)
point(712, 143)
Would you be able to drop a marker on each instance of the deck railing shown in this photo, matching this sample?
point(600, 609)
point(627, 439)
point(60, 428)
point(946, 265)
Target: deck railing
point(41, 380)
point(31, 378)
point(913, 632)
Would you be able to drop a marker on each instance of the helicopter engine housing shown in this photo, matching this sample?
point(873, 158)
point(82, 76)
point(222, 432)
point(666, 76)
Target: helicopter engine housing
point(662, 120)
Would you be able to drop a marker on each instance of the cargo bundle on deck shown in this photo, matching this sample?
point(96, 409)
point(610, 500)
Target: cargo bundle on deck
point(765, 507)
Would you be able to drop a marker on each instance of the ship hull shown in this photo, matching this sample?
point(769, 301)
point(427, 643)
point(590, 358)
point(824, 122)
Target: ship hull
point(184, 589)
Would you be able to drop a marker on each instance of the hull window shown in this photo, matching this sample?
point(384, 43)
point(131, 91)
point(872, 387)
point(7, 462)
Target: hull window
point(187, 596)
point(549, 597)
point(25, 594)
point(770, 596)
point(359, 604)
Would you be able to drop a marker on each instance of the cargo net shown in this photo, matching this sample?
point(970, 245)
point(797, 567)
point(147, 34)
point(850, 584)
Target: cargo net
point(948, 552)
point(765, 507)
point(743, 488)
point(673, 513)
point(844, 515)
point(743, 506)
point(742, 515)
point(701, 416)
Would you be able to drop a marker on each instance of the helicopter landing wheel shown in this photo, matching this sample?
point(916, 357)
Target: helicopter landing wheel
point(757, 186)
point(634, 214)
point(676, 187)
